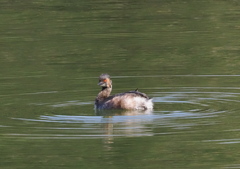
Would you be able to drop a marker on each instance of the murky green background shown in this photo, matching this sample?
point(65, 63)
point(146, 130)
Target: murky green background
point(184, 54)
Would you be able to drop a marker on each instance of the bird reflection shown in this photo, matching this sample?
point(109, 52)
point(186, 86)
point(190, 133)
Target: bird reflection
point(128, 123)
point(120, 112)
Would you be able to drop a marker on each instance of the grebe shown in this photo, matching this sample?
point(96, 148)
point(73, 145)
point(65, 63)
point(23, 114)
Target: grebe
point(128, 100)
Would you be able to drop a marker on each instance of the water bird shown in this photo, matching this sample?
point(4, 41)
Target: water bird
point(132, 100)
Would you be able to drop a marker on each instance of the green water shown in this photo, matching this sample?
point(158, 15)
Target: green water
point(184, 54)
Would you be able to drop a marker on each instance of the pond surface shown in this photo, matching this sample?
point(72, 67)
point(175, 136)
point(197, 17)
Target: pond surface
point(183, 54)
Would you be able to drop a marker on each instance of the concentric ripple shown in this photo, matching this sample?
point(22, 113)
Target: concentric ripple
point(176, 109)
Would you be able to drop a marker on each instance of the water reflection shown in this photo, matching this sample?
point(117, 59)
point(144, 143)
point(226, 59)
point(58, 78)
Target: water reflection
point(116, 112)
point(127, 123)
point(225, 141)
point(185, 113)
point(173, 107)
point(111, 125)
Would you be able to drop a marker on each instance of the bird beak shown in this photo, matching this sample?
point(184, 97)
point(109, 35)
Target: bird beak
point(101, 84)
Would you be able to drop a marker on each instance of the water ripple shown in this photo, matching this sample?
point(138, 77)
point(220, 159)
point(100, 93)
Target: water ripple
point(177, 110)
point(121, 119)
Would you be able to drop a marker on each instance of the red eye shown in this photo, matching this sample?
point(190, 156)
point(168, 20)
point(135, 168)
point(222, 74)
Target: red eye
point(105, 80)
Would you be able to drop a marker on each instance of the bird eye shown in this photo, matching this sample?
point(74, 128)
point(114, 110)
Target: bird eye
point(105, 80)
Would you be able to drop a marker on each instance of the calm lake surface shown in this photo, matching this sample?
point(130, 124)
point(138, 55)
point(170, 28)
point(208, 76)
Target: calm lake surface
point(183, 54)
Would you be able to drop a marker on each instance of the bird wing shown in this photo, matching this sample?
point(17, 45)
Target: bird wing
point(133, 94)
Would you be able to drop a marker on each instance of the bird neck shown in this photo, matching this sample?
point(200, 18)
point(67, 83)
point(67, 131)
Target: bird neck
point(105, 93)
